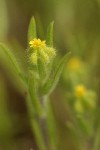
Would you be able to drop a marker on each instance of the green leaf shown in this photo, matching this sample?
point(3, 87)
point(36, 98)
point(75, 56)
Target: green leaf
point(32, 30)
point(49, 38)
point(12, 58)
point(51, 84)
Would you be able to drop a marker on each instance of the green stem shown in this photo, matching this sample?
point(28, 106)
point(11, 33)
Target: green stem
point(38, 135)
point(36, 129)
point(32, 91)
point(35, 112)
point(50, 122)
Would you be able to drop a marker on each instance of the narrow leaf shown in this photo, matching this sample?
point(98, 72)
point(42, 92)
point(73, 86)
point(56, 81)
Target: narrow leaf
point(11, 57)
point(32, 30)
point(49, 38)
point(51, 84)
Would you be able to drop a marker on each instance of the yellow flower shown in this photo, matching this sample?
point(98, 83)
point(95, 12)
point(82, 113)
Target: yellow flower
point(74, 63)
point(80, 90)
point(85, 99)
point(37, 43)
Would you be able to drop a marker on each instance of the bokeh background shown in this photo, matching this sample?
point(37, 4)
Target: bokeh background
point(76, 29)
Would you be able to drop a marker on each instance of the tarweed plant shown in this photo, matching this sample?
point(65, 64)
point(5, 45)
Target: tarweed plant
point(40, 80)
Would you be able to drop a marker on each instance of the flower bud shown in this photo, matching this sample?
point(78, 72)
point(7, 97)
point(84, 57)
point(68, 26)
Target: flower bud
point(33, 58)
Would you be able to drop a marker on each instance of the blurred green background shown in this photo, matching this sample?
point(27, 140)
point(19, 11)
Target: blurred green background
point(76, 29)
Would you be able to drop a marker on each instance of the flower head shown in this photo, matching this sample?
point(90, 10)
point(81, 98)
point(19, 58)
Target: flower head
point(85, 99)
point(39, 50)
point(37, 43)
point(74, 63)
point(80, 90)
